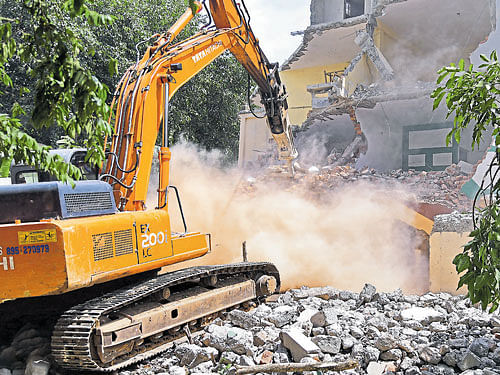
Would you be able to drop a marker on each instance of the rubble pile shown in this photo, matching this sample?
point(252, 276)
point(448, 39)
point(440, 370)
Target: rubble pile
point(441, 187)
point(385, 332)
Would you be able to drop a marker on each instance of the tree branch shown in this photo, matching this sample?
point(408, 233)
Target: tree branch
point(285, 367)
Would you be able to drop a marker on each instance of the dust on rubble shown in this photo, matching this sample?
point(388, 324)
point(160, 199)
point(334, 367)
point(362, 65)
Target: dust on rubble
point(317, 229)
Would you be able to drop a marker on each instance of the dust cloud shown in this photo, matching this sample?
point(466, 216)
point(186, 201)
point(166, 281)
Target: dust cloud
point(346, 239)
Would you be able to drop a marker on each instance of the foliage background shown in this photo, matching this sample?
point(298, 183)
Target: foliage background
point(204, 111)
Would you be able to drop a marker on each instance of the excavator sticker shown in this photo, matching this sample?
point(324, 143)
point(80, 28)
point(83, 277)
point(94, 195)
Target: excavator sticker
point(207, 51)
point(6, 263)
point(37, 236)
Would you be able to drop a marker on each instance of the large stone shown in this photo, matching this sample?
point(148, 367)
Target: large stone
point(325, 293)
point(438, 327)
point(458, 343)
point(348, 342)
point(391, 355)
point(480, 347)
point(371, 354)
point(282, 315)
point(346, 295)
point(367, 294)
point(243, 319)
point(470, 360)
point(330, 315)
point(385, 342)
point(406, 346)
point(478, 321)
point(246, 361)
point(318, 331)
point(430, 354)
point(334, 329)
point(191, 355)
point(6, 371)
point(379, 322)
point(496, 355)
point(495, 321)
point(229, 339)
point(450, 359)
point(328, 344)
point(203, 368)
point(265, 357)
point(305, 316)
point(299, 345)
point(356, 332)
point(318, 319)
point(424, 315)
point(444, 370)
point(376, 368)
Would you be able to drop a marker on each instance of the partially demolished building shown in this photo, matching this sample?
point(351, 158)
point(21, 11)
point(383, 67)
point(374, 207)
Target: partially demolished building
point(368, 67)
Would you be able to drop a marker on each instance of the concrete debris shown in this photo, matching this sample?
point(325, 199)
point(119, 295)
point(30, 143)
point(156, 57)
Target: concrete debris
point(470, 360)
point(365, 41)
point(436, 187)
point(454, 222)
point(298, 344)
point(424, 315)
point(433, 334)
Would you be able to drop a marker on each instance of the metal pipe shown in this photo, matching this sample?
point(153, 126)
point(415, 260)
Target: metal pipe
point(165, 114)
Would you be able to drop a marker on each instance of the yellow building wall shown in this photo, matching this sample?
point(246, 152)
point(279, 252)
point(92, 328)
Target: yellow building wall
point(296, 82)
point(444, 246)
point(362, 73)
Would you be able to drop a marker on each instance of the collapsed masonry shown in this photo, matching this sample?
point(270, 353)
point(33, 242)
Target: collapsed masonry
point(387, 333)
point(387, 57)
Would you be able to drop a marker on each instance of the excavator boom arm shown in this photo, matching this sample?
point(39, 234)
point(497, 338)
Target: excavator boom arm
point(146, 88)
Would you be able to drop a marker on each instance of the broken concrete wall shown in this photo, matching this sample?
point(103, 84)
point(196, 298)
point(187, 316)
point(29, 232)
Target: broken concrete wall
point(316, 143)
point(428, 40)
point(383, 126)
point(323, 11)
point(362, 72)
point(450, 234)
point(326, 11)
point(255, 139)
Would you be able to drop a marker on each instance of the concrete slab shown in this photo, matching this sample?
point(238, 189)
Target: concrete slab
point(298, 344)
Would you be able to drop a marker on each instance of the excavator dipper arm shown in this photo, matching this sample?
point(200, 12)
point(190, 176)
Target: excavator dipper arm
point(146, 88)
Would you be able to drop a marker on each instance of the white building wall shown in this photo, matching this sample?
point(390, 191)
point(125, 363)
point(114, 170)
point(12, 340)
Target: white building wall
point(255, 138)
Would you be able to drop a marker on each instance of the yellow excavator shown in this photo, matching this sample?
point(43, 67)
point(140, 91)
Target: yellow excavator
point(96, 250)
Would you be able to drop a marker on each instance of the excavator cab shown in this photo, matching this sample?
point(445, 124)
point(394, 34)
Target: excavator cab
point(25, 174)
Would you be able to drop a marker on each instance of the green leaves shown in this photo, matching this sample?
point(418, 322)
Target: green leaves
point(480, 260)
point(472, 96)
point(113, 67)
point(65, 95)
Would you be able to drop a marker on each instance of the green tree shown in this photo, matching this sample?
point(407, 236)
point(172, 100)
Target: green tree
point(205, 110)
point(91, 48)
point(64, 94)
point(474, 97)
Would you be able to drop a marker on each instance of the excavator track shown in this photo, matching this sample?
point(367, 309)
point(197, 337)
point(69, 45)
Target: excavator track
point(74, 336)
